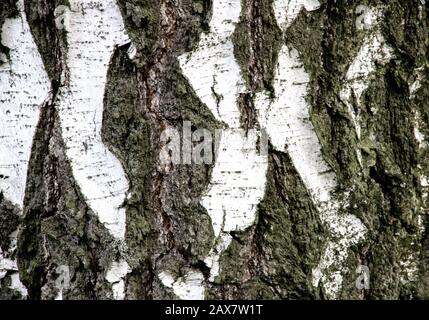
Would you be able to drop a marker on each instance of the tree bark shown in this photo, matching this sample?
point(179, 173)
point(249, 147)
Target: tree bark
point(93, 207)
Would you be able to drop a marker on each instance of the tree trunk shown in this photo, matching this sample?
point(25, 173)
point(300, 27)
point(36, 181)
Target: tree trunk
point(218, 149)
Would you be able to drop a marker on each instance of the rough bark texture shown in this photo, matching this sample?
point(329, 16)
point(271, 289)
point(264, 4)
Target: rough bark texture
point(65, 251)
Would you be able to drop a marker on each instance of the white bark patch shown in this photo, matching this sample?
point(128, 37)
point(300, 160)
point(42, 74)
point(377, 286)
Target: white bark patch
point(115, 275)
point(237, 184)
point(212, 69)
point(9, 266)
point(288, 124)
point(419, 74)
point(424, 180)
point(189, 287)
point(93, 30)
point(238, 179)
point(409, 268)
point(212, 260)
point(6, 265)
point(24, 86)
point(417, 132)
point(17, 285)
point(348, 229)
point(63, 280)
point(374, 52)
point(286, 11)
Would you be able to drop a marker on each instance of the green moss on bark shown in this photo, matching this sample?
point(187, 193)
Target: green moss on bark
point(257, 40)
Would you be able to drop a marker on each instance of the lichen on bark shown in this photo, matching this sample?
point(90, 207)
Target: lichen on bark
point(64, 249)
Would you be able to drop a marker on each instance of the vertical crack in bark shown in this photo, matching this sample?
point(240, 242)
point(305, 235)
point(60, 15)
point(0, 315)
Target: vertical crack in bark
point(154, 71)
